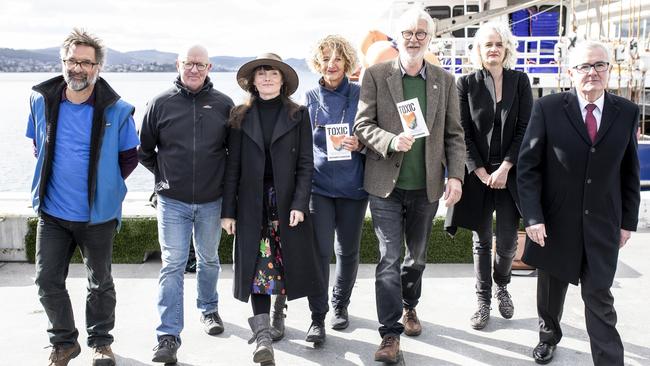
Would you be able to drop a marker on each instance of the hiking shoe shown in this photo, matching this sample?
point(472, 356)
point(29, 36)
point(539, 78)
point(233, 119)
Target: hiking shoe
point(103, 356)
point(340, 319)
point(316, 332)
point(480, 318)
point(412, 326)
point(60, 356)
point(212, 323)
point(388, 351)
point(506, 308)
point(166, 349)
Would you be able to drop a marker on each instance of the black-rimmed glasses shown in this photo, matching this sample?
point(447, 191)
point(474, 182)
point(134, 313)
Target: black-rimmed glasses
point(190, 65)
point(407, 35)
point(84, 64)
point(598, 66)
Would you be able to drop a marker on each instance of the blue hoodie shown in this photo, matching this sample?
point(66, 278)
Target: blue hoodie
point(343, 178)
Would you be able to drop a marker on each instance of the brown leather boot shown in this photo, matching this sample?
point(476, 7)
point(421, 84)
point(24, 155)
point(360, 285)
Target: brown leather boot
point(388, 349)
point(103, 356)
point(412, 326)
point(60, 356)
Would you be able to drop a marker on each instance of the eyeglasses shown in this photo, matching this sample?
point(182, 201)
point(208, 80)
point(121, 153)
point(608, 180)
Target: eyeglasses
point(85, 64)
point(407, 35)
point(190, 65)
point(598, 66)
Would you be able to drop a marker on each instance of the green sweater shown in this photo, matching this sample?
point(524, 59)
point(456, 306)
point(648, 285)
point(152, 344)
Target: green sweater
point(412, 174)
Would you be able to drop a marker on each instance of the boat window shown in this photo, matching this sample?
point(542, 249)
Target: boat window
point(438, 12)
point(460, 10)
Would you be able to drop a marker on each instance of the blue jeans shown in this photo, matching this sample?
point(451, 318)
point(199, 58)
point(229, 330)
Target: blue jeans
point(177, 221)
point(405, 216)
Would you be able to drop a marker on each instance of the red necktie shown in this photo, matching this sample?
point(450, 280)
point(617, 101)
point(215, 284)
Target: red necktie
point(590, 121)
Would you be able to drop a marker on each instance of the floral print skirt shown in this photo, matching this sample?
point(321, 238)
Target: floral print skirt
point(269, 271)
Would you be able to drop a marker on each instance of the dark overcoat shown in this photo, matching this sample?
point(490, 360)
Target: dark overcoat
point(292, 159)
point(477, 108)
point(584, 193)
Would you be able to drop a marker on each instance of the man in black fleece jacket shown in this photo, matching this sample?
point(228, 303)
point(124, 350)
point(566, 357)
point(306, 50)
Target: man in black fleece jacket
point(183, 143)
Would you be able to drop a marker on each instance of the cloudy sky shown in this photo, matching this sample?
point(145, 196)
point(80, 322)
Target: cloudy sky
point(225, 27)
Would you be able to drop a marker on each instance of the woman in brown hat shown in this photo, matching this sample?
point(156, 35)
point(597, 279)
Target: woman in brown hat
point(267, 186)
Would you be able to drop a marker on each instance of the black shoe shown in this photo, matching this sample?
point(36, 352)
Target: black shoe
point(340, 319)
point(316, 332)
point(212, 323)
point(166, 350)
point(543, 353)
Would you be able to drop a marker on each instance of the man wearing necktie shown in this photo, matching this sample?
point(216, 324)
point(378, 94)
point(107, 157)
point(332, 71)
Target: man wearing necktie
point(578, 181)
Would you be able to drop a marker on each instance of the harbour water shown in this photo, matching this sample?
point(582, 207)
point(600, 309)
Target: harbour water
point(16, 156)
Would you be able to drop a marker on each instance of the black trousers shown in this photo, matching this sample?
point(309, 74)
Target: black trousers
point(506, 232)
point(56, 241)
point(600, 316)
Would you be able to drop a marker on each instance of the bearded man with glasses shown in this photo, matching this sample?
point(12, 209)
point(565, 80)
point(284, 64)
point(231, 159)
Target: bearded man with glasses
point(85, 144)
point(184, 137)
point(405, 176)
point(578, 183)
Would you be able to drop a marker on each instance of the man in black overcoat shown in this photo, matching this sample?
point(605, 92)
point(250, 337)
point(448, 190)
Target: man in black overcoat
point(578, 182)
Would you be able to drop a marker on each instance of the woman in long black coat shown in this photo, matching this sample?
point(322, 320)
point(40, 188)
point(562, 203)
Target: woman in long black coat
point(266, 195)
point(495, 105)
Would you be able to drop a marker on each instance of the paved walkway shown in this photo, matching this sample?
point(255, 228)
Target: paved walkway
point(448, 301)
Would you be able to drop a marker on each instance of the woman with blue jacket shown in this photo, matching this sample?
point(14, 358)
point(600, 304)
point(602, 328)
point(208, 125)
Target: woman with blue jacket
point(338, 202)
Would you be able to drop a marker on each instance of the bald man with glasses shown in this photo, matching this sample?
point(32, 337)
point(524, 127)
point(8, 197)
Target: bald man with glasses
point(183, 143)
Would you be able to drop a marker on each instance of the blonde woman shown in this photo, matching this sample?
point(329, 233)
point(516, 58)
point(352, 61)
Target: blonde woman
point(495, 105)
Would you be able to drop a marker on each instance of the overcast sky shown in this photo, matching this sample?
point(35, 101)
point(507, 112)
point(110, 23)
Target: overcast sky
point(225, 27)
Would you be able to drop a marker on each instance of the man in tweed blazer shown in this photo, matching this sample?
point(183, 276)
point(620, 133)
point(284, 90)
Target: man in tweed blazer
point(405, 176)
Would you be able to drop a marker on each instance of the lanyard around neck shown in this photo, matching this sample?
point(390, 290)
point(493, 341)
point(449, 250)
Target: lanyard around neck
point(320, 108)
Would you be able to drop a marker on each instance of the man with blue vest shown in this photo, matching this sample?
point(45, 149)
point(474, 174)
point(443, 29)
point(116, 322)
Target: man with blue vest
point(85, 144)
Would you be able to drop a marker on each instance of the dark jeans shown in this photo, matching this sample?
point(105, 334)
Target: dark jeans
point(345, 218)
point(600, 316)
point(403, 215)
point(506, 233)
point(56, 240)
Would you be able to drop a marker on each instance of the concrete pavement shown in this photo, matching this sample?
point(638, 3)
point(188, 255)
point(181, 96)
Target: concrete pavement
point(447, 302)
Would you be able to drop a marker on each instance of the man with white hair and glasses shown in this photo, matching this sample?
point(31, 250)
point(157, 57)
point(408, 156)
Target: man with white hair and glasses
point(578, 183)
point(405, 176)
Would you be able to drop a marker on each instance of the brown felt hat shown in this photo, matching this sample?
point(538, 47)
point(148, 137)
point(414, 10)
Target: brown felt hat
point(289, 75)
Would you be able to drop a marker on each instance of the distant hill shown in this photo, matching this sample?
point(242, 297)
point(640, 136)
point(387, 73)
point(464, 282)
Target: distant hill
point(48, 59)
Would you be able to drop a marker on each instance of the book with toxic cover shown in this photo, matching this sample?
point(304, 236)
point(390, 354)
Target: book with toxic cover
point(335, 133)
point(412, 118)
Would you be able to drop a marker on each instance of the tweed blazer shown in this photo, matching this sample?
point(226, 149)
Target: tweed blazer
point(378, 122)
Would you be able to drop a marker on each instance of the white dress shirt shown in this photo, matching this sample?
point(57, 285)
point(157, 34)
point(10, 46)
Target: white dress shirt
point(598, 111)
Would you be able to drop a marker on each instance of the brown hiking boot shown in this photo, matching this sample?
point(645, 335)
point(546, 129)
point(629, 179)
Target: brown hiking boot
point(103, 356)
point(60, 355)
point(412, 326)
point(388, 349)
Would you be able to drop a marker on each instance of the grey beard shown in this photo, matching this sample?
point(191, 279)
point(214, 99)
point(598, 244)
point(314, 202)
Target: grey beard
point(79, 85)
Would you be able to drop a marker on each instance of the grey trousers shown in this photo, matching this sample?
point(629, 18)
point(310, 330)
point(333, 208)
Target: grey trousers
point(405, 216)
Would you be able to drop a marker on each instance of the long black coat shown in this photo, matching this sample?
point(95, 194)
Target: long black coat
point(291, 155)
point(583, 193)
point(477, 108)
